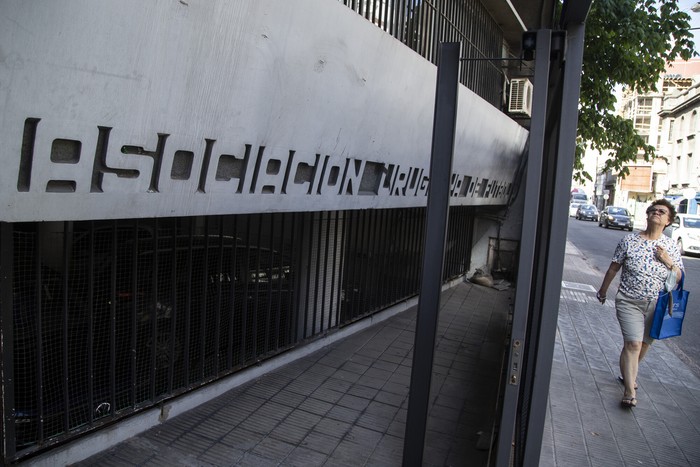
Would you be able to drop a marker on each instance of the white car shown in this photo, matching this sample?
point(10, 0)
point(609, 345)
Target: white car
point(573, 207)
point(685, 231)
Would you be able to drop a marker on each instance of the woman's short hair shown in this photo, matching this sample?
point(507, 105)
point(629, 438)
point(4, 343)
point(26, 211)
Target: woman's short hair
point(671, 209)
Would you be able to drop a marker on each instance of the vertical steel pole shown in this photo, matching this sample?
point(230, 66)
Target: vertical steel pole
point(566, 147)
point(528, 243)
point(444, 123)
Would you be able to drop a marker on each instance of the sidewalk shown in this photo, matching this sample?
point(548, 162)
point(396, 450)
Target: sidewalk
point(586, 426)
point(346, 403)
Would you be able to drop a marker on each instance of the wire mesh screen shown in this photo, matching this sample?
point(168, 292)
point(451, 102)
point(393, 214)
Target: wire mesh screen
point(322, 265)
point(458, 244)
point(384, 252)
point(110, 317)
point(113, 316)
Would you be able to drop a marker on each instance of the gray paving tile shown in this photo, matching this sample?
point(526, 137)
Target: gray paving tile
point(259, 424)
point(316, 406)
point(272, 411)
point(303, 418)
point(354, 367)
point(303, 457)
point(319, 370)
point(335, 428)
point(112, 461)
point(375, 422)
point(214, 428)
point(251, 459)
point(289, 398)
point(231, 415)
point(389, 398)
point(161, 436)
point(365, 436)
point(378, 407)
point(222, 455)
point(290, 433)
point(168, 461)
point(610, 462)
point(345, 378)
point(242, 439)
point(344, 414)
point(396, 388)
point(386, 365)
point(327, 395)
point(275, 449)
point(353, 402)
point(320, 442)
point(364, 392)
point(133, 452)
point(349, 453)
point(192, 442)
point(262, 390)
point(392, 359)
point(239, 401)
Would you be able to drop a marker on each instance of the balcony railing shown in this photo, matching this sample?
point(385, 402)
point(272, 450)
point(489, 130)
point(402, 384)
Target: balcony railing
point(422, 25)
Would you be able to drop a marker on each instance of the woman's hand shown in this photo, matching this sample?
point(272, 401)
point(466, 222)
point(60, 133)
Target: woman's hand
point(663, 256)
point(600, 297)
point(607, 279)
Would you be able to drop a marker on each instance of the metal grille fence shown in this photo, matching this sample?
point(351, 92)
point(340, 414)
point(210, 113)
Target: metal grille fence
point(110, 317)
point(423, 24)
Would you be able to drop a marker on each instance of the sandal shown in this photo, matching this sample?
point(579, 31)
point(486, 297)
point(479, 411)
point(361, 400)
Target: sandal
point(622, 380)
point(629, 402)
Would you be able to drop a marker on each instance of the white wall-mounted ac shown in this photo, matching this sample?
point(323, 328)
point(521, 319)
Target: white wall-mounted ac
point(520, 97)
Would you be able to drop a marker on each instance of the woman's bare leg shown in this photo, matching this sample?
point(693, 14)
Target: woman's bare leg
point(629, 365)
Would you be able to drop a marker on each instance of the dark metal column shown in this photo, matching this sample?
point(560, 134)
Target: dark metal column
point(444, 122)
point(525, 279)
point(566, 147)
point(537, 298)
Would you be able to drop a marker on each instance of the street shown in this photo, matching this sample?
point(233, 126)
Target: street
point(598, 245)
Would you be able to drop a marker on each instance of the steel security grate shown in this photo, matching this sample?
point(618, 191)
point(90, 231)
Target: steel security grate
point(111, 317)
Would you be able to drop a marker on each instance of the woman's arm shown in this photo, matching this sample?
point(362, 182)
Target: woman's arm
point(671, 262)
point(607, 280)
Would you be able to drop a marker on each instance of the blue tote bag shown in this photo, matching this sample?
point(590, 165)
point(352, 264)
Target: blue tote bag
point(669, 312)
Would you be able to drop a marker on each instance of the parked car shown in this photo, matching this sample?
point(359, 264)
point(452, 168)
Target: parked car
point(685, 231)
point(573, 207)
point(615, 216)
point(587, 212)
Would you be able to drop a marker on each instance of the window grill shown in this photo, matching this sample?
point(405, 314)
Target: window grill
point(111, 317)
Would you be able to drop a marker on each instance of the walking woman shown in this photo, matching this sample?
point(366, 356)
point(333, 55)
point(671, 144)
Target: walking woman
point(648, 260)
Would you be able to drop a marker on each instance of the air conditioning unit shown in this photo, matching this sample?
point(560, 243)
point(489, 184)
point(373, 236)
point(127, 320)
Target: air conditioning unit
point(520, 97)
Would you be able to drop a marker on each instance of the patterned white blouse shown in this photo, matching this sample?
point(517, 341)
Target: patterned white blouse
point(643, 276)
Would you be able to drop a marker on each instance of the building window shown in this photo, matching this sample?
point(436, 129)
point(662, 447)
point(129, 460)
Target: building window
point(689, 165)
point(642, 123)
point(670, 130)
point(644, 105)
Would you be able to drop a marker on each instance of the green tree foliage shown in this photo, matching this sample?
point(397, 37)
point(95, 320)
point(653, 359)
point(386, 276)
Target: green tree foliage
point(628, 44)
